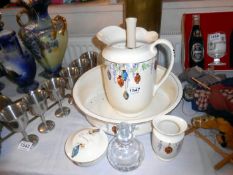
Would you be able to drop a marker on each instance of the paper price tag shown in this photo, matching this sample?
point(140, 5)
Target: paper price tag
point(215, 37)
point(25, 146)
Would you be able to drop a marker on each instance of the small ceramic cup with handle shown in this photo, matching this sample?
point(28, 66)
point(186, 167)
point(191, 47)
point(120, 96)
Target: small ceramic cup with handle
point(167, 136)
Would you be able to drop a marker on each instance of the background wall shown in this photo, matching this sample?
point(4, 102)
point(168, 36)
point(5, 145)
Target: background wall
point(86, 19)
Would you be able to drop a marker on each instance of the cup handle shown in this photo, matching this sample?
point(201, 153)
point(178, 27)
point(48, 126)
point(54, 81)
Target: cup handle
point(169, 48)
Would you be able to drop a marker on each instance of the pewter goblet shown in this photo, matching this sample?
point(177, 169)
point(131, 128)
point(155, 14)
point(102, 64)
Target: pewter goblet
point(15, 115)
point(56, 90)
point(216, 49)
point(37, 104)
point(86, 61)
point(70, 74)
point(4, 101)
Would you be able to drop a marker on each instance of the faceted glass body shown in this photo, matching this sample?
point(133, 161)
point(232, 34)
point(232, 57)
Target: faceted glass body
point(125, 153)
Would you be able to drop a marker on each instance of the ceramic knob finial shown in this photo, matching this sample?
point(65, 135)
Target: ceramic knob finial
point(131, 32)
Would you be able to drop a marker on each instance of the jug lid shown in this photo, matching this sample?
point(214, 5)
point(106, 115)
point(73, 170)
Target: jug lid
point(119, 53)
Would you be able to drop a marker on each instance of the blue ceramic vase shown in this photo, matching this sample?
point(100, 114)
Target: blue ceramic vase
point(45, 37)
point(16, 64)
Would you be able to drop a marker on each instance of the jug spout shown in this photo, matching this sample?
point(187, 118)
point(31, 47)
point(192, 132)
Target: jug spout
point(111, 34)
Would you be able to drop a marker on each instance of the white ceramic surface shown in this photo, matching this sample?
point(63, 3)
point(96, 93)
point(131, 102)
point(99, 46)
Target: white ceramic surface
point(167, 136)
point(115, 34)
point(94, 146)
point(90, 98)
point(130, 75)
point(131, 32)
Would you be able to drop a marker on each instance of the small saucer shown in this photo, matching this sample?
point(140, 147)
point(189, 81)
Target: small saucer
point(89, 96)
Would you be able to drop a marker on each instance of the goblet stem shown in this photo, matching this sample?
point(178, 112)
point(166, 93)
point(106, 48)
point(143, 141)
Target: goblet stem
point(43, 120)
point(60, 105)
point(62, 111)
point(70, 99)
point(25, 136)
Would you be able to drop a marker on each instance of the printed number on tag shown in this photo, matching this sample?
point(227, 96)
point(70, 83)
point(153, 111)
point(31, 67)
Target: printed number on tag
point(25, 146)
point(215, 37)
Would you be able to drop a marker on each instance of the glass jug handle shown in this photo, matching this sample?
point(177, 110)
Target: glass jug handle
point(169, 48)
point(55, 22)
point(18, 17)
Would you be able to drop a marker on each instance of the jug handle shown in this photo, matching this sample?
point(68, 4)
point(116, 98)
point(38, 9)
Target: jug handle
point(170, 49)
point(18, 17)
point(54, 22)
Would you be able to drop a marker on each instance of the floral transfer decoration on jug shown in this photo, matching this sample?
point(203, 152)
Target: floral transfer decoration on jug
point(122, 74)
point(50, 45)
point(137, 78)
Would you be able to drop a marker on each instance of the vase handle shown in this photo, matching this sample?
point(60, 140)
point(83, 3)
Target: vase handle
point(18, 17)
point(58, 21)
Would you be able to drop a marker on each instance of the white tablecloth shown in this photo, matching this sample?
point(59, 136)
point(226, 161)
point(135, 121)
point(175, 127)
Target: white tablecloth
point(49, 157)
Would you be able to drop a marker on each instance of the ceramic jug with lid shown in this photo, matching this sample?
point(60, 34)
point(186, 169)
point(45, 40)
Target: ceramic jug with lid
point(129, 68)
point(44, 36)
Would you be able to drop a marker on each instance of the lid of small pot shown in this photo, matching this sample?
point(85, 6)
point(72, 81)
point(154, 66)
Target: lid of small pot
point(119, 53)
point(86, 146)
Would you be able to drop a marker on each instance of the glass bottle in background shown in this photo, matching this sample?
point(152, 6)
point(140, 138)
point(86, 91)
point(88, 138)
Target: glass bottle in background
point(125, 153)
point(196, 47)
point(147, 12)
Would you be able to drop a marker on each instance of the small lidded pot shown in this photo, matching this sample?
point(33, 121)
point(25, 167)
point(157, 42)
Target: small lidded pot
point(87, 146)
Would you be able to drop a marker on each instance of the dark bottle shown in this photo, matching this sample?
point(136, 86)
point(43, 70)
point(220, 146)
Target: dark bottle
point(231, 50)
point(196, 47)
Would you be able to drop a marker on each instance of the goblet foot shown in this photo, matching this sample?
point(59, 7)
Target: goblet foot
point(26, 89)
point(61, 112)
point(42, 128)
point(217, 64)
point(32, 138)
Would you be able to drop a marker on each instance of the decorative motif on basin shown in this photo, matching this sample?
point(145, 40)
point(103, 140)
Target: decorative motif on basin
point(128, 76)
